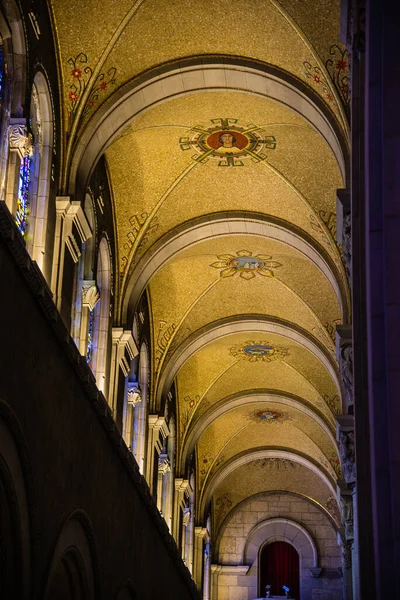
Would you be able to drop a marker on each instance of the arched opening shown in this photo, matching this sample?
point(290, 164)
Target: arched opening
point(42, 216)
point(69, 580)
point(140, 411)
point(101, 317)
point(279, 566)
point(73, 573)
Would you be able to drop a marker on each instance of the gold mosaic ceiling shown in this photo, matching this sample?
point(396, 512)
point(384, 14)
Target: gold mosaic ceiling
point(225, 209)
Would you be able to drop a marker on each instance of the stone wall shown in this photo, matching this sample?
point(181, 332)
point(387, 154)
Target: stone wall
point(235, 576)
point(63, 461)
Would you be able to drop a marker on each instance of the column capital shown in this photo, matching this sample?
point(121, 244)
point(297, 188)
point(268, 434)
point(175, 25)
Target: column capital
point(202, 533)
point(183, 489)
point(133, 393)
point(159, 423)
point(125, 346)
point(90, 294)
point(164, 465)
point(19, 137)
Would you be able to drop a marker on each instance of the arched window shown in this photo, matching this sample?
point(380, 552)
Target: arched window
point(170, 477)
point(140, 410)
point(13, 93)
point(87, 294)
point(188, 527)
point(39, 239)
point(207, 562)
point(100, 317)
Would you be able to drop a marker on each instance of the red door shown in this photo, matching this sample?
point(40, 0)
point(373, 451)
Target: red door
point(279, 565)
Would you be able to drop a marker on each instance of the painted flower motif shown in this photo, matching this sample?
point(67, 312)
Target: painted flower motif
point(103, 85)
point(330, 96)
point(73, 96)
point(341, 65)
point(247, 265)
point(317, 78)
point(76, 73)
point(258, 351)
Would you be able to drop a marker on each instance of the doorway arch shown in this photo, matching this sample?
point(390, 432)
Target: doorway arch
point(279, 565)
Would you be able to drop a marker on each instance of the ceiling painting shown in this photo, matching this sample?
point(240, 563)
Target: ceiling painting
point(228, 142)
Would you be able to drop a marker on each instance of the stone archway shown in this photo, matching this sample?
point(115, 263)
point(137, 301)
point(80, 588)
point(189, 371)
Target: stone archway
point(282, 530)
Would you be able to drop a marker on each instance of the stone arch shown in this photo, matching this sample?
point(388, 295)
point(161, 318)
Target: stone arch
point(17, 510)
point(41, 250)
point(226, 327)
point(74, 558)
point(126, 591)
point(12, 33)
point(281, 530)
point(190, 76)
point(101, 330)
point(240, 399)
point(255, 454)
point(203, 228)
point(140, 411)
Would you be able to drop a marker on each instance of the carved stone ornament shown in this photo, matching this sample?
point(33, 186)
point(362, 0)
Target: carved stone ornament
point(346, 371)
point(346, 555)
point(347, 455)
point(90, 296)
point(21, 140)
point(133, 393)
point(346, 244)
point(346, 505)
point(163, 464)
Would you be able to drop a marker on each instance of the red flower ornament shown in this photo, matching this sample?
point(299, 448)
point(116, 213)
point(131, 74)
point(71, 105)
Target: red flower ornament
point(341, 65)
point(103, 85)
point(76, 73)
point(73, 96)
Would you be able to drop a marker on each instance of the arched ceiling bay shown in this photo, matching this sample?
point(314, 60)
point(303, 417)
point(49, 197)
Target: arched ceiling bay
point(270, 474)
point(107, 48)
point(225, 135)
point(162, 176)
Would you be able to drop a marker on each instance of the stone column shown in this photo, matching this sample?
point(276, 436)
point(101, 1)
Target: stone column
point(164, 467)
point(200, 538)
point(133, 398)
point(215, 571)
point(157, 425)
point(123, 351)
point(182, 492)
point(345, 437)
point(90, 297)
point(70, 219)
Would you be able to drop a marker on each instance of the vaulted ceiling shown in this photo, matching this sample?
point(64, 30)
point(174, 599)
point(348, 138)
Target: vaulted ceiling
point(225, 133)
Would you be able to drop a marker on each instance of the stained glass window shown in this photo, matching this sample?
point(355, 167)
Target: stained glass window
point(89, 349)
point(1, 75)
point(23, 193)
